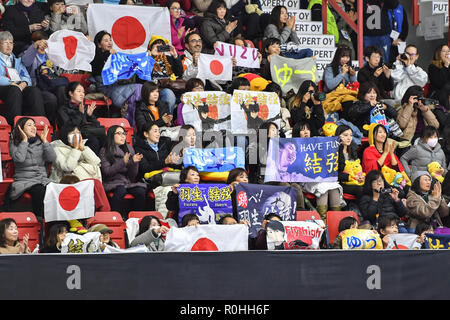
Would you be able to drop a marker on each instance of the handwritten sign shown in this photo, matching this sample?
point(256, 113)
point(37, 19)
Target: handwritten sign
point(245, 57)
point(358, 239)
point(288, 235)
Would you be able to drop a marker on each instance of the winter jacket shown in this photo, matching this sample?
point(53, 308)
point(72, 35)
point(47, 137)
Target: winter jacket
point(420, 155)
point(438, 77)
point(29, 164)
point(385, 206)
point(31, 61)
point(178, 43)
point(189, 70)
point(118, 173)
point(331, 81)
point(286, 35)
point(213, 30)
point(153, 241)
point(15, 21)
point(21, 70)
point(83, 164)
point(405, 77)
point(407, 119)
point(69, 114)
point(359, 113)
point(316, 118)
point(421, 211)
point(152, 160)
point(143, 115)
point(366, 74)
point(331, 21)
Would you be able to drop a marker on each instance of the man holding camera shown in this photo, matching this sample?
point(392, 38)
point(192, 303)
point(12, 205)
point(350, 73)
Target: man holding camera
point(406, 73)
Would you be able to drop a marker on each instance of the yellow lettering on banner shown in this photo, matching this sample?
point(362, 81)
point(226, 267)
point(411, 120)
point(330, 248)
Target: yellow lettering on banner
point(75, 247)
point(313, 164)
point(287, 74)
point(185, 194)
point(213, 194)
point(438, 244)
point(312, 72)
point(333, 166)
point(197, 195)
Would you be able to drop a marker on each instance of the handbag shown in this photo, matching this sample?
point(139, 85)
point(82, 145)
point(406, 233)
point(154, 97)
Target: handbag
point(163, 179)
point(47, 79)
point(177, 85)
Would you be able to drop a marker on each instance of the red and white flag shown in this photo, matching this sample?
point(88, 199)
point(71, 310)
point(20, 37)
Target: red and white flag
point(212, 67)
point(70, 50)
point(69, 201)
point(131, 27)
point(208, 238)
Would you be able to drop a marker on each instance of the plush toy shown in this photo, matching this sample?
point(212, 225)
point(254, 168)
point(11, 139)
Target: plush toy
point(257, 83)
point(433, 167)
point(354, 170)
point(394, 178)
point(329, 128)
point(77, 227)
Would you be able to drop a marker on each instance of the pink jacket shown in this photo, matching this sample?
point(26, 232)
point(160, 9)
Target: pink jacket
point(177, 43)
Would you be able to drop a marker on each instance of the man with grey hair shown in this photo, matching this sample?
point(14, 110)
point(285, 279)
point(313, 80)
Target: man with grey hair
point(16, 88)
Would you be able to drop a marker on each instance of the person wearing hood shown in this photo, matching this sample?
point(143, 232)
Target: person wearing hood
point(425, 202)
point(73, 157)
point(426, 150)
point(216, 26)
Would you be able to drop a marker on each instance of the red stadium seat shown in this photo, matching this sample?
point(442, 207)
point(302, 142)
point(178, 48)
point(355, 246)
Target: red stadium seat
point(108, 122)
point(333, 219)
point(26, 223)
point(308, 215)
point(141, 214)
point(114, 221)
point(82, 78)
point(349, 197)
point(320, 86)
point(5, 130)
point(3, 187)
point(40, 122)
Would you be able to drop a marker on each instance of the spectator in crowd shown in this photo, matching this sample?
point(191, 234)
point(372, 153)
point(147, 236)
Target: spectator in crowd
point(301, 130)
point(30, 153)
point(368, 108)
point(189, 175)
point(248, 14)
point(316, 15)
point(381, 151)
point(66, 17)
point(155, 150)
point(105, 236)
point(120, 165)
point(387, 225)
point(377, 25)
point(399, 23)
point(73, 157)
point(379, 200)
point(16, 89)
point(441, 109)
point(348, 152)
point(152, 233)
point(422, 229)
point(76, 114)
point(218, 25)
point(187, 138)
point(152, 109)
point(190, 220)
point(260, 242)
point(407, 73)
point(438, 70)
point(192, 85)
point(425, 151)
point(306, 108)
point(282, 27)
point(340, 70)
point(285, 126)
point(33, 58)
point(425, 202)
point(193, 43)
point(414, 115)
point(376, 71)
point(56, 236)
point(121, 92)
point(345, 224)
point(9, 238)
point(22, 19)
point(177, 28)
point(271, 46)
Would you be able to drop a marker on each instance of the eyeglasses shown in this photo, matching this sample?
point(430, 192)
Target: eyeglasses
point(121, 133)
point(7, 43)
point(196, 40)
point(176, 9)
point(411, 54)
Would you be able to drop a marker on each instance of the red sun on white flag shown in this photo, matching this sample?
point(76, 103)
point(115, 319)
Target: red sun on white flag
point(128, 33)
point(204, 244)
point(69, 198)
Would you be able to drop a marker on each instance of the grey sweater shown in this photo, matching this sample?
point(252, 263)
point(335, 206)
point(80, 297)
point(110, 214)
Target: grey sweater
point(286, 35)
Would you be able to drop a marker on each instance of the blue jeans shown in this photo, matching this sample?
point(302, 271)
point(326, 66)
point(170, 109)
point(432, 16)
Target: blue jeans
point(304, 53)
point(168, 97)
point(383, 42)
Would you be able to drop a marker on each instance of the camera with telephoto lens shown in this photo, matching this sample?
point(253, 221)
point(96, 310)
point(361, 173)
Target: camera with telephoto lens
point(427, 101)
point(403, 56)
point(319, 96)
point(385, 190)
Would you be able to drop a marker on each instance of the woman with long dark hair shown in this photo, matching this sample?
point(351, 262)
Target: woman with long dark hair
point(56, 236)
point(152, 233)
point(439, 70)
point(120, 165)
point(339, 70)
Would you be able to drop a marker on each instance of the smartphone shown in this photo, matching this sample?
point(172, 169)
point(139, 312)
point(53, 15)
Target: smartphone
point(164, 48)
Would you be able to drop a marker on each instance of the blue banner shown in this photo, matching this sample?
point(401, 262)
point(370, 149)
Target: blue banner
point(302, 159)
point(255, 201)
point(437, 241)
point(209, 201)
point(124, 66)
point(215, 159)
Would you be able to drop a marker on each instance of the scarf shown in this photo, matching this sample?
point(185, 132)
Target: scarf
point(26, 10)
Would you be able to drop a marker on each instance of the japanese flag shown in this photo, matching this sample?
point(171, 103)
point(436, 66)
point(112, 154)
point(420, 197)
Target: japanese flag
point(131, 27)
point(70, 50)
point(212, 67)
point(208, 238)
point(403, 241)
point(69, 201)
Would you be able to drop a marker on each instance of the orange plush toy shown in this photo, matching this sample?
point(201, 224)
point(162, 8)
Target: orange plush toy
point(257, 83)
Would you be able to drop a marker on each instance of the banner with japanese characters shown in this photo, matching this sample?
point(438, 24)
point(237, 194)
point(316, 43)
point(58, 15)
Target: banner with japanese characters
point(214, 159)
point(255, 201)
point(289, 235)
point(437, 241)
point(124, 65)
point(250, 109)
point(302, 159)
point(207, 110)
point(357, 239)
point(290, 73)
point(209, 201)
point(77, 243)
point(245, 56)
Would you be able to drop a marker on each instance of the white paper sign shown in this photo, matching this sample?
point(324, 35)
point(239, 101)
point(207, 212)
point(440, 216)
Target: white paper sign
point(308, 28)
point(319, 40)
point(245, 57)
point(434, 27)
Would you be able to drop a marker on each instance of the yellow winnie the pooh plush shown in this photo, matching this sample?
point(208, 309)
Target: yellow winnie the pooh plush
point(394, 178)
point(354, 170)
point(433, 169)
